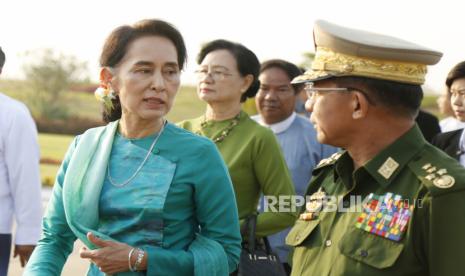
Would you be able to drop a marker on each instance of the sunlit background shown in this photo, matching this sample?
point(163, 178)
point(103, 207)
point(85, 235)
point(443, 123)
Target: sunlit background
point(272, 29)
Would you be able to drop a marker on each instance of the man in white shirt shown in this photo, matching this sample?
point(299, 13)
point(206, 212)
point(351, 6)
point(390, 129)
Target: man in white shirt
point(275, 101)
point(20, 186)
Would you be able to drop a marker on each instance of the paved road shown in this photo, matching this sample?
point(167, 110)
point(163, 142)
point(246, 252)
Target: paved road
point(75, 266)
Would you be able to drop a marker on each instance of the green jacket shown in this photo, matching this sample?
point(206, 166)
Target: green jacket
point(256, 165)
point(429, 183)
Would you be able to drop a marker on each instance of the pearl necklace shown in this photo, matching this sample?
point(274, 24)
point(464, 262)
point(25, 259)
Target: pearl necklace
point(224, 133)
point(119, 185)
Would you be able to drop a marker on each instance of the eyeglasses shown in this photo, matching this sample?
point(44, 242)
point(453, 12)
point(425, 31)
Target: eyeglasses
point(217, 74)
point(457, 93)
point(312, 92)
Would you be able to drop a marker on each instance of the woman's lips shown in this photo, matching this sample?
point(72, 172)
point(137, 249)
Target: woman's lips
point(459, 112)
point(206, 90)
point(153, 102)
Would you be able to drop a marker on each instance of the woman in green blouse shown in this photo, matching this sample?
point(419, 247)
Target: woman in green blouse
point(227, 76)
point(145, 196)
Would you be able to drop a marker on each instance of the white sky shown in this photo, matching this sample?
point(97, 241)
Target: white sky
point(271, 28)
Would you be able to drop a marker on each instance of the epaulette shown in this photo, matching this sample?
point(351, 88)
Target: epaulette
point(439, 173)
point(329, 161)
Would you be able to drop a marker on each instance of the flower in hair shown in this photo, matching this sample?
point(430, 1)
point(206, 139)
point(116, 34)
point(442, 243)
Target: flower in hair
point(105, 95)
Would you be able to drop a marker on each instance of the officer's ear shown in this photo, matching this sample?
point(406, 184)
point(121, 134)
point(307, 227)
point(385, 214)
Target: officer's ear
point(360, 105)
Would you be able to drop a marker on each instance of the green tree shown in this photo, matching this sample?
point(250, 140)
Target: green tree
point(49, 75)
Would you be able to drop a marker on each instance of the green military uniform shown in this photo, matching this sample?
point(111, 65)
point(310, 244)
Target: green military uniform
point(402, 211)
point(433, 242)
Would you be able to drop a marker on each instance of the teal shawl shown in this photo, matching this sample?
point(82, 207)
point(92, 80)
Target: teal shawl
point(81, 193)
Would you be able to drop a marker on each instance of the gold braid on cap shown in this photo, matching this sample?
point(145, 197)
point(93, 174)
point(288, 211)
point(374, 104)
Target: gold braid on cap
point(339, 64)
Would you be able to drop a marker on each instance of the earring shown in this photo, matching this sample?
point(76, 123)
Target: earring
point(105, 95)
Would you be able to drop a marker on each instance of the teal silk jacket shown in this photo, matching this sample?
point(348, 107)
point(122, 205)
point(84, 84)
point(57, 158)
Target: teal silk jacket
point(191, 194)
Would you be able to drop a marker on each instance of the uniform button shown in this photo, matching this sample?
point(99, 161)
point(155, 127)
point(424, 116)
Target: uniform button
point(363, 253)
point(297, 238)
point(328, 243)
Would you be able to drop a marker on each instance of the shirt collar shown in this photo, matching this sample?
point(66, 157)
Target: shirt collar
point(280, 126)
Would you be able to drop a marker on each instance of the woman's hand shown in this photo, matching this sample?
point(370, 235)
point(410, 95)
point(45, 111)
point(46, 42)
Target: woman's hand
point(110, 258)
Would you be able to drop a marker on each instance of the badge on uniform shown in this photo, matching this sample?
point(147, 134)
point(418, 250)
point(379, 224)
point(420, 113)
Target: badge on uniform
point(314, 205)
point(439, 177)
point(386, 216)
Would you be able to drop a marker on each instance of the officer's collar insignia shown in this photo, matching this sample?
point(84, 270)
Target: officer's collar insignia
point(314, 205)
point(330, 159)
point(439, 177)
point(386, 216)
point(388, 168)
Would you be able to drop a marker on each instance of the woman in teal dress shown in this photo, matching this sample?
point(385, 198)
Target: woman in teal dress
point(144, 196)
point(227, 76)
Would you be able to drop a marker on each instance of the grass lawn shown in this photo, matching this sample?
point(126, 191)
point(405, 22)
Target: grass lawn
point(48, 174)
point(52, 146)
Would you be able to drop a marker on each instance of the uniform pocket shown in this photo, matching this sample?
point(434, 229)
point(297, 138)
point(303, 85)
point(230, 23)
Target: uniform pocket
point(301, 231)
point(369, 248)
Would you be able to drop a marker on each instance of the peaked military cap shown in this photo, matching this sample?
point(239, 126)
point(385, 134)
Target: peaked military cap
point(342, 51)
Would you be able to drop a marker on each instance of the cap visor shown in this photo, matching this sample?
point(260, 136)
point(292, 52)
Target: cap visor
point(311, 76)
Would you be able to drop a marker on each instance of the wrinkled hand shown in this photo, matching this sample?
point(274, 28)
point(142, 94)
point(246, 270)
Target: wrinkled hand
point(24, 252)
point(111, 257)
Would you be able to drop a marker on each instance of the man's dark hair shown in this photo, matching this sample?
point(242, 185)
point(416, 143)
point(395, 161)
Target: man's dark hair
point(290, 69)
point(401, 98)
point(247, 61)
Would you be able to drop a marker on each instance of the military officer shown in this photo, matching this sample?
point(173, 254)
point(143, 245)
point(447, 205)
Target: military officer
point(390, 204)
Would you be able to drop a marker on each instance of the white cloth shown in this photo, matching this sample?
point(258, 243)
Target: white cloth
point(20, 186)
point(279, 126)
point(450, 124)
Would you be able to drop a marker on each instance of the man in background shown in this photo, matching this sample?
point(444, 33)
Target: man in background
point(275, 101)
point(19, 180)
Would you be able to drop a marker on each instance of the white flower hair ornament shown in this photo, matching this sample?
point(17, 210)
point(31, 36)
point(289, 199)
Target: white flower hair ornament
point(105, 95)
